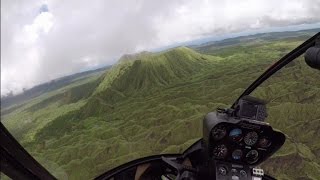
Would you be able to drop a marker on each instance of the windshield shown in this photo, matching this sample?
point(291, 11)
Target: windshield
point(84, 92)
point(293, 96)
point(104, 119)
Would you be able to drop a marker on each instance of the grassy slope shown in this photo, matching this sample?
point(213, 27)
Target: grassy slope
point(26, 119)
point(155, 103)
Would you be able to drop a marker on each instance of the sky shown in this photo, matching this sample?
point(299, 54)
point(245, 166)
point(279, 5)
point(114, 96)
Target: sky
point(45, 39)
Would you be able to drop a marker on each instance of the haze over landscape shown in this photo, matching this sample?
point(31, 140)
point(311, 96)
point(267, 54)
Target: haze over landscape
point(47, 39)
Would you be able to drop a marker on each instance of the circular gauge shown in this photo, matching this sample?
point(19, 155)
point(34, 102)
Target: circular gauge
point(251, 138)
point(222, 171)
point(243, 173)
point(219, 132)
point(252, 156)
point(237, 154)
point(220, 151)
point(236, 135)
point(264, 142)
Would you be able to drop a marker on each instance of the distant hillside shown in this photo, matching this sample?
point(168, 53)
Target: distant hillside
point(48, 87)
point(262, 37)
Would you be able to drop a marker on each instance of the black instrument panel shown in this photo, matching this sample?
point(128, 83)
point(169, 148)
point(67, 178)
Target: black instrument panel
point(243, 143)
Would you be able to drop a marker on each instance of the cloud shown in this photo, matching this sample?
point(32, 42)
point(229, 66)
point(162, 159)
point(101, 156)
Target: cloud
point(43, 8)
point(42, 40)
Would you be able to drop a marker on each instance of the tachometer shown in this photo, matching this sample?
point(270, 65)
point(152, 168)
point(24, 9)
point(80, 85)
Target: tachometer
point(252, 156)
point(219, 132)
point(251, 138)
point(264, 142)
point(220, 151)
point(236, 135)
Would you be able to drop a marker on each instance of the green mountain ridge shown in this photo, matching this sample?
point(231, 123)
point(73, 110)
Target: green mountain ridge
point(160, 69)
point(130, 78)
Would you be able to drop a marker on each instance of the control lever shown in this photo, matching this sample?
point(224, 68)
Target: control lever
point(183, 172)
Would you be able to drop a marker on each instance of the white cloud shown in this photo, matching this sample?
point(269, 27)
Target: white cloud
point(20, 62)
point(38, 45)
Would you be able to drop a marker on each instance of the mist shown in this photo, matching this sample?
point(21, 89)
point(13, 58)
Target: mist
point(43, 40)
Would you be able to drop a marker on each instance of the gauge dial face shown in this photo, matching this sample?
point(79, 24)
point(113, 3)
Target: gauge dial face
point(252, 156)
point(220, 151)
point(219, 132)
point(222, 171)
point(237, 154)
point(236, 135)
point(251, 138)
point(264, 142)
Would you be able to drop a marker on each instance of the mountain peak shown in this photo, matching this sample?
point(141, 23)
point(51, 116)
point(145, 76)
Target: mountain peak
point(135, 56)
point(180, 49)
point(146, 70)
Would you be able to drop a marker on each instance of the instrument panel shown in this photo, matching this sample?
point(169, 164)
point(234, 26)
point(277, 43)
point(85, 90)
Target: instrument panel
point(242, 143)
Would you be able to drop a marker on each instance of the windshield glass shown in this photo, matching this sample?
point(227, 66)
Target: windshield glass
point(88, 86)
point(293, 96)
point(147, 104)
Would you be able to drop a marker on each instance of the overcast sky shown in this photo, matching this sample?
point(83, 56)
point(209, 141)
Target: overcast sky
point(44, 39)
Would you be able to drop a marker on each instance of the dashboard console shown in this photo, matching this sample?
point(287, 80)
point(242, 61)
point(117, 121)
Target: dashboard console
point(237, 144)
point(239, 141)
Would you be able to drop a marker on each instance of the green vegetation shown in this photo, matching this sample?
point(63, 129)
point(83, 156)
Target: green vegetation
point(154, 103)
